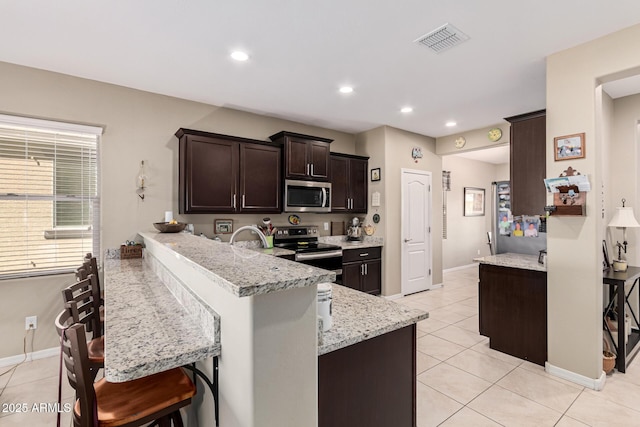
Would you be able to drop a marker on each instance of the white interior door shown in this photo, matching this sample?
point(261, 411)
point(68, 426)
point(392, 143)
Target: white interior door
point(416, 231)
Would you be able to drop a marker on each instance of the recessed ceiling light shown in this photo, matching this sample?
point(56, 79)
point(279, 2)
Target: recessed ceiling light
point(450, 124)
point(346, 89)
point(406, 109)
point(239, 55)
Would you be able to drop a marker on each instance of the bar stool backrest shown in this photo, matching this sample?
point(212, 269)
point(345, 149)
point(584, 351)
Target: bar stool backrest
point(86, 310)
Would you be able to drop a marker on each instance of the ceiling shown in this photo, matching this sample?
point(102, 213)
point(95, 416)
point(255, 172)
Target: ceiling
point(301, 52)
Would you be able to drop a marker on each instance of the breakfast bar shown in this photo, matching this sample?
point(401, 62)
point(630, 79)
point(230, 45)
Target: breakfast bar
point(258, 314)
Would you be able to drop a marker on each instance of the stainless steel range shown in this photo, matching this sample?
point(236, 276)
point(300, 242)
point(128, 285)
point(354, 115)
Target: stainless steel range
point(304, 241)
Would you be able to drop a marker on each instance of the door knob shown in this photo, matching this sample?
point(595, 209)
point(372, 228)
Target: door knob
point(407, 240)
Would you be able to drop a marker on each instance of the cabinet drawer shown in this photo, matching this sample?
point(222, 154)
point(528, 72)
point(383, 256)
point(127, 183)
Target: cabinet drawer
point(352, 255)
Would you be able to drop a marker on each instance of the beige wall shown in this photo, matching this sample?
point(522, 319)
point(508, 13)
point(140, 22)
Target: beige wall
point(574, 243)
point(398, 147)
point(138, 126)
point(466, 235)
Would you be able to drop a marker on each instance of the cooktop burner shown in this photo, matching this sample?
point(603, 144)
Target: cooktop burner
point(307, 246)
point(301, 239)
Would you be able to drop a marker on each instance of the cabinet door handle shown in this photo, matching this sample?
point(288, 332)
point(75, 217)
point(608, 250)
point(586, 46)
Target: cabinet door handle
point(407, 240)
point(308, 169)
point(233, 201)
point(366, 269)
point(364, 254)
point(362, 269)
point(243, 200)
point(311, 169)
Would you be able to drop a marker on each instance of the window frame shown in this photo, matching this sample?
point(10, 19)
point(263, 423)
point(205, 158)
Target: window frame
point(40, 125)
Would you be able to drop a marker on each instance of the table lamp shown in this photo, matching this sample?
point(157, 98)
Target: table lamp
point(623, 218)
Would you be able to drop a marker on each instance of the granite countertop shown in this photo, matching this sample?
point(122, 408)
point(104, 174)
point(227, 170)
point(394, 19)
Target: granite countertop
point(147, 329)
point(522, 261)
point(243, 272)
point(367, 242)
point(357, 316)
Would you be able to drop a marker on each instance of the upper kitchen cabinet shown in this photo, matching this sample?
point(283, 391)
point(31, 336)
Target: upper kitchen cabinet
point(528, 163)
point(305, 157)
point(226, 174)
point(349, 183)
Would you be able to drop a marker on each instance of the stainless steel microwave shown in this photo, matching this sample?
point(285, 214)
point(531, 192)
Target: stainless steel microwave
point(307, 196)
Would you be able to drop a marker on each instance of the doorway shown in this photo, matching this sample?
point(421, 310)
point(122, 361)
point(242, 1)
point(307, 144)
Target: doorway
point(416, 254)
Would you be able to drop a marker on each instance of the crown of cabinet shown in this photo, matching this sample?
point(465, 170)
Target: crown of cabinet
point(306, 157)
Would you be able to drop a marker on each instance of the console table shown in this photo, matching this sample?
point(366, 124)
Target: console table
point(618, 297)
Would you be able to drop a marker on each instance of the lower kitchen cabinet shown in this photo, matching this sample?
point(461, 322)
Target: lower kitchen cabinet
point(362, 269)
point(513, 311)
point(371, 383)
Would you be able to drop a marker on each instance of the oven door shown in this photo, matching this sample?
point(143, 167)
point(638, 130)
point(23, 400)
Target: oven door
point(327, 260)
point(307, 196)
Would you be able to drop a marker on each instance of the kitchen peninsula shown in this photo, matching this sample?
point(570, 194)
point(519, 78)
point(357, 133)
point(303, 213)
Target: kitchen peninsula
point(512, 297)
point(271, 363)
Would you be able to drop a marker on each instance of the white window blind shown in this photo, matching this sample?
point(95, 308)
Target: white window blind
point(49, 201)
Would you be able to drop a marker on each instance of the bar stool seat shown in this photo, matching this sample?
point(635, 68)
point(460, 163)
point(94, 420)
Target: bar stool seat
point(157, 397)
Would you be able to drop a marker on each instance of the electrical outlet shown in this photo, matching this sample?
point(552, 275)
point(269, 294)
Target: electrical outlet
point(30, 322)
point(326, 226)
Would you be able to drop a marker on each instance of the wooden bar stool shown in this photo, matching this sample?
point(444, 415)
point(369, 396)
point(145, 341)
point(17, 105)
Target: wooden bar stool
point(82, 302)
point(156, 398)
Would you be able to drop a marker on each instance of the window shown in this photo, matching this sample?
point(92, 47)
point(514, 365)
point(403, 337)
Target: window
point(49, 202)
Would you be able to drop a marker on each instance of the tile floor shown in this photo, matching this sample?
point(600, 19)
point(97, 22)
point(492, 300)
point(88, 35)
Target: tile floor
point(461, 381)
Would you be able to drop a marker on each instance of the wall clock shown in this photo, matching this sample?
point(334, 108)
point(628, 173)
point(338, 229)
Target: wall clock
point(460, 142)
point(494, 134)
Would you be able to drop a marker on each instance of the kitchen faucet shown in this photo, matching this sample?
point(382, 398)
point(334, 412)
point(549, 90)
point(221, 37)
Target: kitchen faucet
point(252, 228)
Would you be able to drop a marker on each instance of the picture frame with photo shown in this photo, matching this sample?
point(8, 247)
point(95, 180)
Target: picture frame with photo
point(569, 147)
point(375, 174)
point(474, 201)
point(223, 226)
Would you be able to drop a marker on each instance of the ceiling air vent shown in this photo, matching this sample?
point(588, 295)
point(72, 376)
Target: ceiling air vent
point(442, 38)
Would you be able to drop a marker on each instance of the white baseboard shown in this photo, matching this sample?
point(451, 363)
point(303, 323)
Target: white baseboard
point(462, 267)
point(392, 297)
point(594, 384)
point(40, 354)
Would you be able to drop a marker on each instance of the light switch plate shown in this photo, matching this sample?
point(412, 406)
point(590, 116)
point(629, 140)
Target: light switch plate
point(375, 198)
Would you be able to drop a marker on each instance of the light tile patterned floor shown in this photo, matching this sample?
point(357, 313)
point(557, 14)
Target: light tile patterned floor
point(461, 381)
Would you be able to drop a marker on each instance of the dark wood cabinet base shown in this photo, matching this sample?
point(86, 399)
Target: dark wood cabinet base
point(513, 311)
point(371, 383)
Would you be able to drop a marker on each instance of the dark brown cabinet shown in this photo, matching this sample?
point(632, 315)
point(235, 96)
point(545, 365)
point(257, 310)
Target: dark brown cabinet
point(305, 157)
point(513, 311)
point(349, 183)
point(362, 269)
point(528, 163)
point(371, 383)
point(226, 174)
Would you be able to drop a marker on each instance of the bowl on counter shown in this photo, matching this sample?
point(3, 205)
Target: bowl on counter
point(165, 227)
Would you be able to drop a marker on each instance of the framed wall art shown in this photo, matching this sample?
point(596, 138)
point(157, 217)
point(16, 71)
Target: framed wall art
point(223, 226)
point(473, 201)
point(569, 147)
point(375, 174)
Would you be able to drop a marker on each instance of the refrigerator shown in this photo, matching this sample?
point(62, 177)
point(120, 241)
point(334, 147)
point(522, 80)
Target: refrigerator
point(523, 234)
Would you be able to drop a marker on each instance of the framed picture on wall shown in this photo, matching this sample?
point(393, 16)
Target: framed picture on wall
point(223, 226)
point(569, 147)
point(473, 201)
point(375, 174)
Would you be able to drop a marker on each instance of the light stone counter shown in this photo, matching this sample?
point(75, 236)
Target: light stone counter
point(367, 242)
point(151, 326)
point(525, 262)
point(242, 272)
point(358, 316)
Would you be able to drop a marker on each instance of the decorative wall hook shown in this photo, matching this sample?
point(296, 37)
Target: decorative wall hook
point(142, 181)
